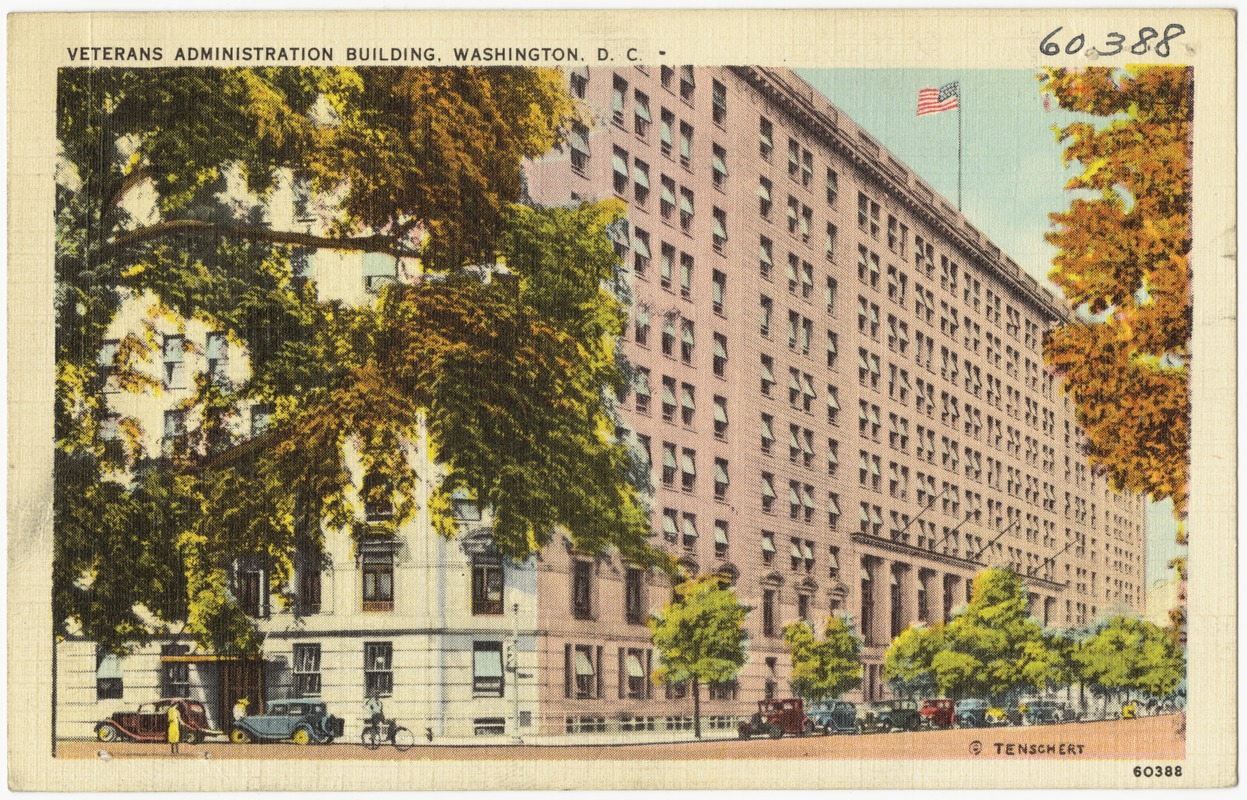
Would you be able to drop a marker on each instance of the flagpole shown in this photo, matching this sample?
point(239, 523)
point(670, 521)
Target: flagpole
point(959, 99)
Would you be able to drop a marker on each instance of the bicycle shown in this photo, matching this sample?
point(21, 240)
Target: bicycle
point(387, 730)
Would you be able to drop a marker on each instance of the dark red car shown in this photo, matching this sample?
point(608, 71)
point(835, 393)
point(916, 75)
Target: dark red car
point(937, 713)
point(151, 723)
point(777, 717)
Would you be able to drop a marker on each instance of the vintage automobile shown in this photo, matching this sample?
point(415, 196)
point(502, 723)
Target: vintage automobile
point(298, 721)
point(970, 713)
point(937, 713)
point(888, 716)
point(1039, 712)
point(150, 723)
point(833, 716)
point(775, 718)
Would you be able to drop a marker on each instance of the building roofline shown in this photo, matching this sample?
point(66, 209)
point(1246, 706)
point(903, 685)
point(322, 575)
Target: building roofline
point(834, 128)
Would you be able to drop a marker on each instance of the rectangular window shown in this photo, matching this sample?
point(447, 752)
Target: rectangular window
point(686, 209)
point(379, 270)
point(641, 113)
point(217, 350)
point(175, 676)
point(833, 186)
point(619, 97)
point(378, 669)
point(108, 681)
point(768, 612)
point(718, 163)
point(251, 592)
point(378, 579)
point(308, 577)
point(305, 670)
point(487, 583)
point(686, 143)
point(640, 188)
point(261, 416)
point(634, 673)
point(107, 362)
point(634, 596)
point(665, 134)
point(582, 589)
point(720, 538)
point(487, 669)
point(718, 102)
point(585, 671)
point(173, 358)
point(719, 228)
point(766, 141)
point(174, 430)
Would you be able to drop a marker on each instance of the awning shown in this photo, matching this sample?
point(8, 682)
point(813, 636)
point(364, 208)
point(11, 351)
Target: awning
point(794, 497)
point(809, 386)
point(619, 101)
point(764, 192)
point(109, 667)
point(796, 550)
point(720, 413)
point(875, 518)
point(641, 382)
point(716, 288)
point(668, 457)
point(668, 327)
point(690, 528)
point(668, 196)
point(686, 146)
point(805, 225)
point(767, 434)
point(686, 395)
point(874, 416)
point(805, 447)
point(720, 474)
point(719, 230)
point(690, 468)
point(865, 514)
point(764, 255)
point(664, 132)
point(717, 162)
point(832, 458)
point(688, 335)
point(832, 558)
point(806, 551)
point(642, 108)
point(832, 402)
point(874, 467)
point(668, 396)
point(635, 670)
point(832, 347)
point(669, 525)
point(686, 203)
point(861, 360)
point(641, 176)
point(641, 246)
point(764, 137)
point(767, 375)
point(720, 351)
point(768, 544)
point(794, 440)
point(792, 212)
point(583, 665)
point(720, 534)
point(576, 141)
point(767, 489)
point(832, 505)
point(874, 365)
point(621, 165)
point(686, 75)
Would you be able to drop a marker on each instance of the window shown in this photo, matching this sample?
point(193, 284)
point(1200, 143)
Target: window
point(768, 547)
point(619, 165)
point(668, 336)
point(718, 163)
point(833, 349)
point(768, 433)
point(803, 606)
point(668, 398)
point(833, 186)
point(721, 480)
point(688, 469)
point(686, 84)
point(719, 228)
point(833, 405)
point(582, 589)
point(379, 270)
point(807, 222)
point(378, 497)
point(583, 670)
point(831, 291)
point(619, 97)
point(261, 416)
point(766, 142)
point(686, 143)
point(666, 75)
point(108, 681)
point(250, 591)
point(578, 145)
point(768, 374)
point(690, 531)
point(640, 110)
point(668, 464)
point(307, 570)
point(688, 404)
point(768, 492)
point(640, 188)
point(794, 158)
point(487, 669)
point(765, 260)
point(718, 289)
point(641, 384)
point(830, 243)
point(794, 214)
point(720, 417)
point(173, 357)
point(833, 521)
point(579, 83)
point(378, 574)
point(174, 430)
point(765, 202)
point(665, 129)
point(634, 596)
point(634, 683)
point(217, 350)
point(768, 612)
point(670, 525)
point(487, 583)
point(686, 209)
point(305, 671)
point(687, 341)
point(720, 538)
point(378, 669)
point(107, 362)
point(720, 355)
point(641, 327)
point(718, 101)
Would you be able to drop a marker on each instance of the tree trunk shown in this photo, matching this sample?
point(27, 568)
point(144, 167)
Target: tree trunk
point(696, 709)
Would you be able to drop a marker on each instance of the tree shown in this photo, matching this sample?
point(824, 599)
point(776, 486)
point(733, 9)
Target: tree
point(1126, 654)
point(164, 197)
point(1123, 264)
point(909, 663)
point(700, 637)
point(828, 668)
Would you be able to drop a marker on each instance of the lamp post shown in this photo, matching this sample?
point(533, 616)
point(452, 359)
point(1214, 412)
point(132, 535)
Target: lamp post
point(512, 666)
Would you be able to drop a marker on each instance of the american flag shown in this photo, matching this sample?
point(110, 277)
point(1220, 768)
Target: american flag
point(933, 101)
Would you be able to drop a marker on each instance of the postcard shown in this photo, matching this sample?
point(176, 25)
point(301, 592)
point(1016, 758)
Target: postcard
point(656, 399)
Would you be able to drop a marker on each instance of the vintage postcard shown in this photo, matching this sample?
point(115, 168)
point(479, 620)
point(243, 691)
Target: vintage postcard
point(803, 399)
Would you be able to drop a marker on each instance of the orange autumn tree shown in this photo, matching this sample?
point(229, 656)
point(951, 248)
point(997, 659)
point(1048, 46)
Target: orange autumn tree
point(1124, 266)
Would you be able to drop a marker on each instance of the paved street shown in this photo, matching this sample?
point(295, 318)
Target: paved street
point(1151, 737)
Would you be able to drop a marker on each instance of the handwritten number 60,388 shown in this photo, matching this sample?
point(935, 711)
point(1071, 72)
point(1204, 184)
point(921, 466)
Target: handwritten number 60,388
point(1116, 41)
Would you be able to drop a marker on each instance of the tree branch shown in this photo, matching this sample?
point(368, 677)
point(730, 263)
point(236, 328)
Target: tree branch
point(190, 227)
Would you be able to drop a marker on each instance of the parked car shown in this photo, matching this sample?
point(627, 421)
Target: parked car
point(150, 723)
point(1039, 712)
point(937, 713)
point(298, 721)
point(970, 713)
point(775, 718)
point(833, 716)
point(888, 716)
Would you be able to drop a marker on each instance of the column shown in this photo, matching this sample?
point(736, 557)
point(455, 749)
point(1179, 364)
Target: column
point(910, 578)
point(882, 585)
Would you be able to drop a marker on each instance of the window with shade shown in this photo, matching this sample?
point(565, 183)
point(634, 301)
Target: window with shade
point(487, 584)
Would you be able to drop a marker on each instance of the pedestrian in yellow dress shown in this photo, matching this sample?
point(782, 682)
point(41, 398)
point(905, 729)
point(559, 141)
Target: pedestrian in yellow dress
point(175, 729)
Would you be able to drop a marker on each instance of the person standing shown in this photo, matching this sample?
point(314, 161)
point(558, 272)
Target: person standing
point(174, 732)
point(240, 709)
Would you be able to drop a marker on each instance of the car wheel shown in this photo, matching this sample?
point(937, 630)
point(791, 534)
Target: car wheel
point(107, 733)
point(239, 736)
point(301, 736)
point(776, 732)
point(743, 733)
point(828, 729)
point(192, 737)
point(370, 738)
point(807, 728)
point(860, 727)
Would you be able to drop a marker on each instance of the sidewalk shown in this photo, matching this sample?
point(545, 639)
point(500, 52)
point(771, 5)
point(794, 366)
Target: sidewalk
point(610, 739)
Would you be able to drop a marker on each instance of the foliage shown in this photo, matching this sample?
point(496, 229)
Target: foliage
point(909, 663)
point(165, 196)
point(1124, 268)
point(991, 648)
point(1131, 655)
point(828, 668)
point(700, 636)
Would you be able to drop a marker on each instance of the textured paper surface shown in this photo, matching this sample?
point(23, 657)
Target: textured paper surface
point(894, 39)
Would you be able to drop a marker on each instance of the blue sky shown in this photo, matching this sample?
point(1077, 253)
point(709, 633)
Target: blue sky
point(1012, 173)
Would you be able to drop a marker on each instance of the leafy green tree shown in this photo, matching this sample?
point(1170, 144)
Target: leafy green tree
point(700, 637)
point(909, 663)
point(163, 198)
point(1124, 266)
point(1131, 656)
point(827, 668)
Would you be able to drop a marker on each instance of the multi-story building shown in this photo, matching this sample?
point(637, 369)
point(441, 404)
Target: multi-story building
point(838, 382)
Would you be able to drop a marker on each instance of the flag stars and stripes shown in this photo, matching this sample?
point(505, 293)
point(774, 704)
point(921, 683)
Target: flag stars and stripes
point(933, 101)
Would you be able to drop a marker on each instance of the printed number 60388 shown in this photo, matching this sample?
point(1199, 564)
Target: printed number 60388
point(1158, 772)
